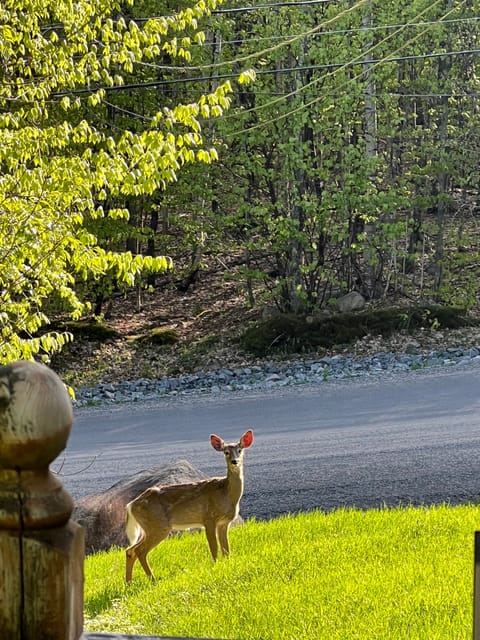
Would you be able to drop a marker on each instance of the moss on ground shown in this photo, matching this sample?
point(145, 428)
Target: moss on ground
point(86, 330)
point(158, 335)
point(288, 333)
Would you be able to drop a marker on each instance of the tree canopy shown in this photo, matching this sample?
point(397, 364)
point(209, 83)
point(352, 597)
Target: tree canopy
point(62, 167)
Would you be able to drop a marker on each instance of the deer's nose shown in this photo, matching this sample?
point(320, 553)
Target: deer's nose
point(234, 461)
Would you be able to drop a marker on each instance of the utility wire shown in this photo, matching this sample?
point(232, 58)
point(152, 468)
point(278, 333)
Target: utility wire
point(399, 94)
point(167, 67)
point(127, 112)
point(335, 32)
point(296, 38)
point(356, 61)
point(267, 72)
point(359, 57)
point(238, 60)
point(335, 67)
point(318, 99)
point(474, 95)
point(331, 32)
point(272, 5)
point(258, 7)
point(288, 41)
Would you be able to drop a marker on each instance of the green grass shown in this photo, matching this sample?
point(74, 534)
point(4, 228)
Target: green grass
point(380, 574)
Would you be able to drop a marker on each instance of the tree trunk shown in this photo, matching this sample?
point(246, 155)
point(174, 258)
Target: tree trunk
point(444, 66)
point(371, 284)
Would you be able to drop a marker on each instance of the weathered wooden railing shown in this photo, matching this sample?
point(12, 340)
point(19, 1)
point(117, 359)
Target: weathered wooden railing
point(41, 549)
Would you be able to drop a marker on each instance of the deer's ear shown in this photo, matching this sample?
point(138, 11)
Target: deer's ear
point(216, 442)
point(247, 439)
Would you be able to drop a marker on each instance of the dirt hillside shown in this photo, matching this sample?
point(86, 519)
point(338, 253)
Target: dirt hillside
point(205, 321)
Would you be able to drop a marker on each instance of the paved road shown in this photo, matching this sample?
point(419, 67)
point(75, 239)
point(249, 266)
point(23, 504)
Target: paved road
point(404, 439)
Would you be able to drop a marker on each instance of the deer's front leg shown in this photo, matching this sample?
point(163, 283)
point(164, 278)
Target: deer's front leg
point(211, 533)
point(223, 538)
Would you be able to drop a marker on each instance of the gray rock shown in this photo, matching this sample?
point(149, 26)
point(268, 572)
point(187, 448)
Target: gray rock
point(103, 515)
point(352, 301)
point(272, 377)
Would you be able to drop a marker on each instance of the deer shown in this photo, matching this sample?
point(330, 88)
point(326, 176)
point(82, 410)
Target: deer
point(210, 504)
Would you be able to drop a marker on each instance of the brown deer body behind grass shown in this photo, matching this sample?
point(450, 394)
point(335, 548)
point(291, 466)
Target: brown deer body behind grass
point(210, 504)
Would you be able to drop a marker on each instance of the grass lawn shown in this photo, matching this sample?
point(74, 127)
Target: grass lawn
point(380, 574)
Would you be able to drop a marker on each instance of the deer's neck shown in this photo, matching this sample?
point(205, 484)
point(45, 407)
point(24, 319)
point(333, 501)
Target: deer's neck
point(235, 483)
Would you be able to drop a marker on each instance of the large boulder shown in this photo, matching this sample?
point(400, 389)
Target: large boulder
point(103, 515)
point(352, 301)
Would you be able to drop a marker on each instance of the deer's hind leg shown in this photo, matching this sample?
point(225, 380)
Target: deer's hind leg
point(139, 551)
point(130, 558)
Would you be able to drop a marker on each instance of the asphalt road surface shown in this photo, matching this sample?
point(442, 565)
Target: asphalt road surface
point(405, 439)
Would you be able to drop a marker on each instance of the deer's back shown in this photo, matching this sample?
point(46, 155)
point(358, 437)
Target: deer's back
point(189, 505)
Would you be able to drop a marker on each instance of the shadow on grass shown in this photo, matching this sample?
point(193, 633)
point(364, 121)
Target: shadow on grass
point(104, 599)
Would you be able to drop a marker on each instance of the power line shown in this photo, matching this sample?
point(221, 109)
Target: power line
point(266, 72)
point(298, 35)
point(334, 32)
point(318, 99)
point(474, 95)
point(272, 5)
point(374, 62)
point(237, 60)
point(400, 26)
point(360, 57)
point(358, 61)
point(334, 67)
point(290, 40)
point(260, 7)
point(244, 58)
point(127, 112)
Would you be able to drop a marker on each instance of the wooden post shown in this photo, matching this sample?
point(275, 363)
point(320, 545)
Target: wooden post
point(41, 550)
point(476, 589)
